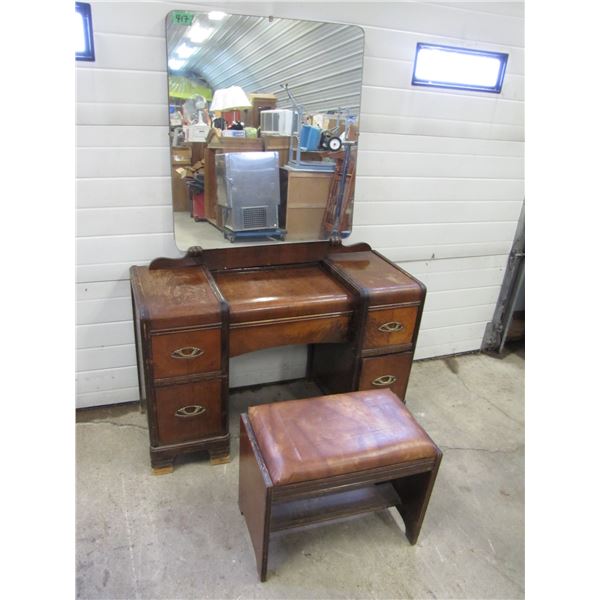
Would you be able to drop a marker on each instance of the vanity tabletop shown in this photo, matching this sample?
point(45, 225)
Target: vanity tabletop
point(383, 280)
point(273, 293)
point(175, 297)
point(186, 296)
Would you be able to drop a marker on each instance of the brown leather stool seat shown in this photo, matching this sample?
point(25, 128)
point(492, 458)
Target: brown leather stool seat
point(301, 440)
point(305, 461)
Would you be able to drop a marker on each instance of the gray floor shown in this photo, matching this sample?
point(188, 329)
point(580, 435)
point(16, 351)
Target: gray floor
point(182, 536)
point(190, 233)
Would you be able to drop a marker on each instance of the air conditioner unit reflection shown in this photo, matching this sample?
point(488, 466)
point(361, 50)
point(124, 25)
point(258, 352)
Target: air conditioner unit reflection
point(278, 122)
point(248, 192)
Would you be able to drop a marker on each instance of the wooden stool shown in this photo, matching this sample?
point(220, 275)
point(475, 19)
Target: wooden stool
point(306, 461)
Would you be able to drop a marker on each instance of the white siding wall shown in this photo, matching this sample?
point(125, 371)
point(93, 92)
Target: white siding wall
point(439, 186)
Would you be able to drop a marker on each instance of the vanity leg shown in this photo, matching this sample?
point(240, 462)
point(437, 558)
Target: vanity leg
point(219, 457)
point(166, 470)
point(161, 464)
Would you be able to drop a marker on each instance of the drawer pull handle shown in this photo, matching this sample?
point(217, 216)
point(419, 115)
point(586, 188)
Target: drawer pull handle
point(190, 411)
point(391, 326)
point(384, 380)
point(187, 352)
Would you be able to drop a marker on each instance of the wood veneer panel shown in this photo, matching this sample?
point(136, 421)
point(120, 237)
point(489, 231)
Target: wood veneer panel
point(306, 331)
point(281, 292)
point(175, 297)
point(387, 284)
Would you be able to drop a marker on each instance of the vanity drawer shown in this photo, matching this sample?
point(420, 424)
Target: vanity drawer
point(189, 411)
point(250, 337)
point(390, 326)
point(186, 353)
point(389, 371)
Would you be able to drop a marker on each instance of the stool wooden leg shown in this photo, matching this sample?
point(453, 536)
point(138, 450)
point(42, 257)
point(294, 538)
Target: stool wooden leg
point(414, 492)
point(255, 496)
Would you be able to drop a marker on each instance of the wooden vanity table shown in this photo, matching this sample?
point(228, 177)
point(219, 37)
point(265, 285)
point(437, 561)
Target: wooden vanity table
point(358, 312)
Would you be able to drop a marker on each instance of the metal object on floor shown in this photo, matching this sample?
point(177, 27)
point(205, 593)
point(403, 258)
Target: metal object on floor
point(335, 218)
point(496, 331)
point(248, 192)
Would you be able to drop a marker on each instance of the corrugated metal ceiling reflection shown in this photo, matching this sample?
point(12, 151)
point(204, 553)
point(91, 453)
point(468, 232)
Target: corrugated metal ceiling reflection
point(321, 62)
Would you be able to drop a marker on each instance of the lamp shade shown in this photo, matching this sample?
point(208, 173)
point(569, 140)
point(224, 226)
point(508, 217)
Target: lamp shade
point(217, 100)
point(230, 98)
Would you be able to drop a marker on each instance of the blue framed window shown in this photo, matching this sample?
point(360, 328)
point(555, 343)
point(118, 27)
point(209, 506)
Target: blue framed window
point(84, 48)
point(459, 68)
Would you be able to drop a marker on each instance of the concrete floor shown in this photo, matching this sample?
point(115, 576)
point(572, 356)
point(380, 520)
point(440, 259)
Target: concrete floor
point(182, 536)
point(190, 233)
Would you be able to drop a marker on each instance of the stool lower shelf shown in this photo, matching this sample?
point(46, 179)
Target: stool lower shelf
point(298, 513)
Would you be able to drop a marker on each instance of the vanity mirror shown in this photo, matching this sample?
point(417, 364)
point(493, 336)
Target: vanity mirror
point(264, 125)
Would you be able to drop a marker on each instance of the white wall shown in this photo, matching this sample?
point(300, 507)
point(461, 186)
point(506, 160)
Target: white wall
point(439, 182)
